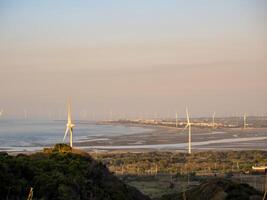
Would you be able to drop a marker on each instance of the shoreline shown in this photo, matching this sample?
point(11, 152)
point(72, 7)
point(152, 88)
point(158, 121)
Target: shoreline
point(175, 139)
point(162, 138)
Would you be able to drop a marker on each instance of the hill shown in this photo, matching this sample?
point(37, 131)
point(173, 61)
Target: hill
point(60, 173)
point(217, 189)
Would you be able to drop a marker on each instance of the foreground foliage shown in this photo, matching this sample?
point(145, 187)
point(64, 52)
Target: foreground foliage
point(219, 189)
point(169, 162)
point(61, 175)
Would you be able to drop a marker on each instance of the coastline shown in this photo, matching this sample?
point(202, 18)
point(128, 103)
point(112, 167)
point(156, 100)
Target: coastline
point(164, 138)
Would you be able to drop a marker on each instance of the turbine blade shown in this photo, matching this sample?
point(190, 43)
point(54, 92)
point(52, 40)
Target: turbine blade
point(69, 113)
point(67, 129)
point(187, 115)
point(187, 125)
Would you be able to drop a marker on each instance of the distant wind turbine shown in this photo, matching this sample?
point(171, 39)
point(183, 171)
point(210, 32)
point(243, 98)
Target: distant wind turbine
point(176, 119)
point(213, 120)
point(84, 114)
point(245, 120)
point(155, 115)
point(110, 115)
point(70, 126)
point(188, 125)
point(1, 112)
point(25, 114)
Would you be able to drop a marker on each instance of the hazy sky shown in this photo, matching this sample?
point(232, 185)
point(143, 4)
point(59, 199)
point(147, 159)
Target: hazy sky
point(133, 57)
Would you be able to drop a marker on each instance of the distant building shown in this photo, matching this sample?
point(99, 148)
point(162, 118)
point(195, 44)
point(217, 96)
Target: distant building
point(259, 169)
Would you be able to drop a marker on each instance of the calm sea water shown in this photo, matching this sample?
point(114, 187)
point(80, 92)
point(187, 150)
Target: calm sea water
point(26, 134)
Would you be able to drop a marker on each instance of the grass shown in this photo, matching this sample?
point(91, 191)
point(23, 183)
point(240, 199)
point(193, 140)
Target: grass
point(156, 186)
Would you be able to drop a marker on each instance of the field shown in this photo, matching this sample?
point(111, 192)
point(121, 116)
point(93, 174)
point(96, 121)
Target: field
point(159, 173)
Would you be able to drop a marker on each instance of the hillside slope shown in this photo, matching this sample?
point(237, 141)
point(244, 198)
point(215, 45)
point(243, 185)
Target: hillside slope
point(61, 174)
point(217, 189)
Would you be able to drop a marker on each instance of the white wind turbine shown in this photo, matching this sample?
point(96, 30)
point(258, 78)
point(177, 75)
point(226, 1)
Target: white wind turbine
point(1, 112)
point(213, 120)
point(245, 120)
point(176, 119)
point(188, 125)
point(25, 114)
point(70, 126)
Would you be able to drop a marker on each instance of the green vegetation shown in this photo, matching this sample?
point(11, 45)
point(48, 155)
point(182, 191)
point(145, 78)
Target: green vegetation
point(60, 174)
point(166, 173)
point(155, 186)
point(64, 173)
point(183, 163)
point(219, 189)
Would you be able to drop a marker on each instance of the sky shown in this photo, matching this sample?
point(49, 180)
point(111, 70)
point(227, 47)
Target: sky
point(133, 58)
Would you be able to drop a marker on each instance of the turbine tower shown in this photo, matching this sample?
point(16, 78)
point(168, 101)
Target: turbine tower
point(213, 120)
point(176, 119)
point(70, 126)
point(245, 120)
point(188, 125)
point(110, 115)
point(25, 114)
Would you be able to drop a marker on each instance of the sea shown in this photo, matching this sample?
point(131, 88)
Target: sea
point(30, 135)
point(34, 135)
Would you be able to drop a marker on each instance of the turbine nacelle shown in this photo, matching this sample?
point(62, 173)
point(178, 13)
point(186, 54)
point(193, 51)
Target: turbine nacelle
point(70, 125)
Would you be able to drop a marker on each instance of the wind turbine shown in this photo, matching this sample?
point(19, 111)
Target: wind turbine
point(84, 114)
point(155, 115)
point(1, 112)
point(213, 120)
point(110, 115)
point(176, 119)
point(188, 125)
point(245, 120)
point(25, 114)
point(69, 125)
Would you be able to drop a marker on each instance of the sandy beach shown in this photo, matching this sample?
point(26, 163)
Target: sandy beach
point(169, 138)
point(144, 138)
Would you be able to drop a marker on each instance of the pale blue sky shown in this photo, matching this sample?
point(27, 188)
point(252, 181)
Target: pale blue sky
point(133, 56)
point(119, 21)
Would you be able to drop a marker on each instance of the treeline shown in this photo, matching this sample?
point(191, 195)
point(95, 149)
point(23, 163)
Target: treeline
point(62, 175)
point(217, 188)
point(169, 162)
